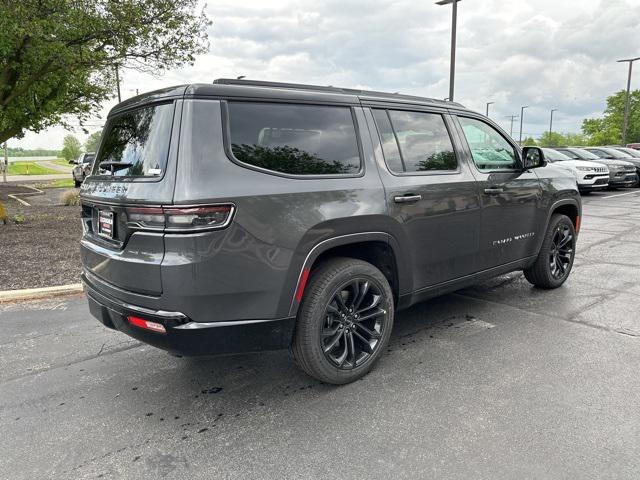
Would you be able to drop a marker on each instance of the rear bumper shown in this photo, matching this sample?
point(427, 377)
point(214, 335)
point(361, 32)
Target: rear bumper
point(186, 337)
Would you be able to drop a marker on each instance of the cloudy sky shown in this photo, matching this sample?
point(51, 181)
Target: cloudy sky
point(543, 53)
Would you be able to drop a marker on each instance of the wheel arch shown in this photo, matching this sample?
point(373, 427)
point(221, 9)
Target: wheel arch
point(378, 248)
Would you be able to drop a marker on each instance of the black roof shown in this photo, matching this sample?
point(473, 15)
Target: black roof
point(226, 87)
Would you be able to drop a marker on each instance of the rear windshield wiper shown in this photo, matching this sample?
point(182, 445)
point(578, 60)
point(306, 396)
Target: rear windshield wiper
point(114, 166)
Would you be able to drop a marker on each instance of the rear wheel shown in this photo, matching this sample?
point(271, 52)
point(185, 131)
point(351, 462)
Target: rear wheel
point(555, 260)
point(344, 321)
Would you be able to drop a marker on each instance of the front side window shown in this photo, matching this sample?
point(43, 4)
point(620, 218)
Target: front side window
point(294, 139)
point(415, 141)
point(489, 149)
point(136, 143)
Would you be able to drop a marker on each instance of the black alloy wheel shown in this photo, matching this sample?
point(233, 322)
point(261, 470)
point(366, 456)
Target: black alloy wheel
point(561, 252)
point(354, 324)
point(344, 321)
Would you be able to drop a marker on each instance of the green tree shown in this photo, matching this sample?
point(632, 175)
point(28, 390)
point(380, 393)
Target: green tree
point(91, 144)
point(557, 139)
point(71, 148)
point(529, 142)
point(608, 129)
point(552, 139)
point(58, 57)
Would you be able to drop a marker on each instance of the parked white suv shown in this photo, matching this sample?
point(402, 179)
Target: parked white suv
point(589, 175)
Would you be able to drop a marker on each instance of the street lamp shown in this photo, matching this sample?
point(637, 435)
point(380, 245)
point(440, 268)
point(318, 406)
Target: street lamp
point(626, 102)
point(521, 118)
point(454, 21)
point(489, 103)
point(512, 117)
point(551, 124)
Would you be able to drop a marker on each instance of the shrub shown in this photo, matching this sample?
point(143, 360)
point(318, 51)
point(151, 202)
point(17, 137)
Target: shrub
point(71, 198)
point(18, 218)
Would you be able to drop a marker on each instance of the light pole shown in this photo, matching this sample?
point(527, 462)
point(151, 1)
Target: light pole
point(551, 125)
point(521, 118)
point(118, 83)
point(454, 21)
point(512, 117)
point(626, 102)
point(489, 103)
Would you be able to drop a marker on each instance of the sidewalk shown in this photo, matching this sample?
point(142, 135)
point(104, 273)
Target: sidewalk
point(35, 178)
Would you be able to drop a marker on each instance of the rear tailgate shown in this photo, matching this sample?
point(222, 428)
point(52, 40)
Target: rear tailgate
point(135, 166)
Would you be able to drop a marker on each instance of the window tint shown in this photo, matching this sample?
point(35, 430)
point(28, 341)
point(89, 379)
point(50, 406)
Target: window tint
point(424, 142)
point(489, 149)
point(390, 148)
point(294, 139)
point(87, 159)
point(554, 155)
point(137, 142)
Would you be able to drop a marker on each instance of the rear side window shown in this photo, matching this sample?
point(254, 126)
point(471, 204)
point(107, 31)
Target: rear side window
point(415, 141)
point(136, 143)
point(294, 139)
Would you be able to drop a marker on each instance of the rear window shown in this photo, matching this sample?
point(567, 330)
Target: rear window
point(136, 143)
point(294, 139)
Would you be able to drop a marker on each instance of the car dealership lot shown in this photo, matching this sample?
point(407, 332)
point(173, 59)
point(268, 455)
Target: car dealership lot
point(496, 381)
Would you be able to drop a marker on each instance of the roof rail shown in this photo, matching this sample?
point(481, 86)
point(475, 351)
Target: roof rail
point(321, 88)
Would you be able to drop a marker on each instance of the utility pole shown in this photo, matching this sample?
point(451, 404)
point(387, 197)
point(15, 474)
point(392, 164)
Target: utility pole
point(551, 124)
point(6, 163)
point(521, 118)
point(454, 25)
point(625, 125)
point(118, 83)
point(512, 117)
point(489, 103)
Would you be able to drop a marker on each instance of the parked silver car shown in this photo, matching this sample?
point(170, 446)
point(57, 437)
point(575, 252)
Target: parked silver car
point(83, 167)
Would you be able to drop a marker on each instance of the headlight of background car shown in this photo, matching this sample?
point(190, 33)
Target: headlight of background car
point(585, 169)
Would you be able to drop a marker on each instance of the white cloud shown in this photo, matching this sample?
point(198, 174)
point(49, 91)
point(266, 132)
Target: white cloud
point(543, 53)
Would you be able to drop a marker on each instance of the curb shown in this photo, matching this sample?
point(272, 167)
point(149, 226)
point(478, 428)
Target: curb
point(36, 293)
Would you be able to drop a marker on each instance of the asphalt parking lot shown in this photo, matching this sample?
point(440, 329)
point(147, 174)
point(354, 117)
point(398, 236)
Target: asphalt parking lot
point(496, 381)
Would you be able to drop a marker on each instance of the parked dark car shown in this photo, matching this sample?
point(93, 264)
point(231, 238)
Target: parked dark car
point(621, 174)
point(83, 167)
point(633, 171)
point(246, 216)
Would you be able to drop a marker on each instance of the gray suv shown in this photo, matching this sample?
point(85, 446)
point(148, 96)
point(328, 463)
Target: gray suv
point(246, 216)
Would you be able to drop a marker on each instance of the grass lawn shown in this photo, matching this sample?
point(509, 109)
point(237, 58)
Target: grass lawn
point(29, 168)
point(62, 162)
point(61, 183)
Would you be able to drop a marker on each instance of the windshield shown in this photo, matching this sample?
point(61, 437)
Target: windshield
point(554, 155)
point(136, 142)
point(631, 152)
point(616, 154)
point(585, 155)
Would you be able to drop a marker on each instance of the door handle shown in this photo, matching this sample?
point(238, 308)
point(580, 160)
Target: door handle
point(407, 198)
point(493, 191)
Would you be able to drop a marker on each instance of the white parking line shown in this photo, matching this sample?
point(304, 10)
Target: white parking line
point(620, 194)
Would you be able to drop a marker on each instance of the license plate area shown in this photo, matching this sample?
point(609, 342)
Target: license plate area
point(105, 224)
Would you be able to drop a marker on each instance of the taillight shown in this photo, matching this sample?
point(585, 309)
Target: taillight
point(180, 219)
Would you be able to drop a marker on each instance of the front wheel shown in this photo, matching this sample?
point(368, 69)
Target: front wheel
point(555, 260)
point(344, 322)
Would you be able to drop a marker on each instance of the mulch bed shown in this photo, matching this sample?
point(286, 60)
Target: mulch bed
point(44, 249)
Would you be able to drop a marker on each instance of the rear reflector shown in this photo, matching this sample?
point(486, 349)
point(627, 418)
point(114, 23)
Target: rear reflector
point(146, 324)
point(302, 284)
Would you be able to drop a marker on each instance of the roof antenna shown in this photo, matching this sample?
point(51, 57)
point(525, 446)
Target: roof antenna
point(240, 77)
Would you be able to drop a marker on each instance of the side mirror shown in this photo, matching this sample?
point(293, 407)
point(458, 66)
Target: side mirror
point(533, 157)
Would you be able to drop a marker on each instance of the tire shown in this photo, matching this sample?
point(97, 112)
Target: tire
point(321, 321)
point(555, 260)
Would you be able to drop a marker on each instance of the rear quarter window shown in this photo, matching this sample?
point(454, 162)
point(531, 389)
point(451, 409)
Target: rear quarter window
point(136, 143)
point(294, 139)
